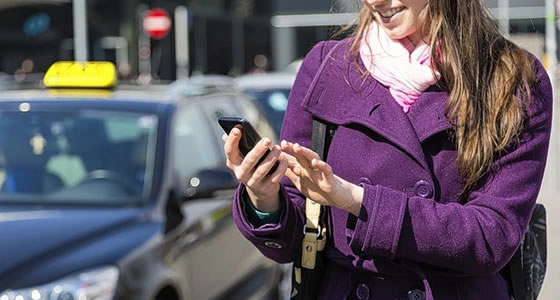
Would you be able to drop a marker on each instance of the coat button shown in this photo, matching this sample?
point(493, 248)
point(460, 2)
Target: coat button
point(362, 292)
point(364, 180)
point(416, 295)
point(423, 189)
point(273, 245)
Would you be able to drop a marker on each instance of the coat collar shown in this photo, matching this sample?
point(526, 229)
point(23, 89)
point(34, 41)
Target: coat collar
point(342, 95)
point(427, 114)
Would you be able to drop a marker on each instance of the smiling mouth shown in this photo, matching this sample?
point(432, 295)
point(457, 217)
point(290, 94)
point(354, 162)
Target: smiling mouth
point(391, 12)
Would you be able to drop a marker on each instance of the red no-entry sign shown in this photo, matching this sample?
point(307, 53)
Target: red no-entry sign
point(156, 23)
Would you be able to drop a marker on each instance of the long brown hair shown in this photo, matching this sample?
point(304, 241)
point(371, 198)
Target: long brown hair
point(488, 79)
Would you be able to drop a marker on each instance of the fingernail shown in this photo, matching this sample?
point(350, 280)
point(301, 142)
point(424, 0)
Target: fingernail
point(266, 142)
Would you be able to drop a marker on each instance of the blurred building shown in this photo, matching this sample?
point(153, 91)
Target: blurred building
point(225, 36)
point(31, 34)
point(526, 22)
point(296, 26)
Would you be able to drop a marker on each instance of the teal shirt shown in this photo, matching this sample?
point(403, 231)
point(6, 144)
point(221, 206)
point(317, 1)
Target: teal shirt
point(258, 218)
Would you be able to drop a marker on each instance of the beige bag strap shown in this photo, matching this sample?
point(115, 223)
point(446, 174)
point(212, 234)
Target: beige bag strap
point(315, 235)
point(314, 231)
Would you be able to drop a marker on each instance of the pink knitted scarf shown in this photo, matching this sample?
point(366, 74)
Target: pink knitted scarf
point(401, 66)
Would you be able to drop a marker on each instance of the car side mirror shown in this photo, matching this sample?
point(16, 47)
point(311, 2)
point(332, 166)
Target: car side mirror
point(207, 182)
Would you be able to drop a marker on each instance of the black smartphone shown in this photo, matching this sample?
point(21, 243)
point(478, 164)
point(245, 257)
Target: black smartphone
point(249, 137)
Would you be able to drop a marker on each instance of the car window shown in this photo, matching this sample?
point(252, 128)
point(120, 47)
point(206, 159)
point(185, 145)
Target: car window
point(78, 156)
point(122, 130)
point(194, 143)
point(274, 103)
point(255, 115)
point(219, 106)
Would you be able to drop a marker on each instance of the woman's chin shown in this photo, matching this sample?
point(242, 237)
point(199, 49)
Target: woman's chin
point(395, 34)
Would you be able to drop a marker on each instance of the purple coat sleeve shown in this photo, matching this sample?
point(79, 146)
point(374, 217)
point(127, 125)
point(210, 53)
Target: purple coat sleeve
point(280, 242)
point(479, 237)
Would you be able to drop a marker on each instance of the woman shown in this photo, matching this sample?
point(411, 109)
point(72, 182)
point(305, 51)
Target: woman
point(434, 169)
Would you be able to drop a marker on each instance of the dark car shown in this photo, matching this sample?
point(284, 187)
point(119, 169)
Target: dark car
point(122, 194)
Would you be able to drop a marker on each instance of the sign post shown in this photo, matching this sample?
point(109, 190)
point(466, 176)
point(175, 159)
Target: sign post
point(144, 52)
point(182, 41)
point(503, 15)
point(79, 15)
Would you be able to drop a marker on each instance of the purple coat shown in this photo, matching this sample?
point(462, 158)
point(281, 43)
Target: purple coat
point(414, 233)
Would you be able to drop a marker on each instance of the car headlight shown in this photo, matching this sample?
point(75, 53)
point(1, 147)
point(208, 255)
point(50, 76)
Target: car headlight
point(97, 284)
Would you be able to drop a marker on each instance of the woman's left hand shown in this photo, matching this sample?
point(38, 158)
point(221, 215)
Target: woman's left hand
point(315, 179)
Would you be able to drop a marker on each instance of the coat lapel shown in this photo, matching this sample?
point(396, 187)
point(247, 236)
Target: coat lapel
point(342, 95)
point(427, 114)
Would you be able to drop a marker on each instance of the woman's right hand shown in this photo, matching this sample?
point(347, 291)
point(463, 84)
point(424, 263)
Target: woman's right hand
point(261, 188)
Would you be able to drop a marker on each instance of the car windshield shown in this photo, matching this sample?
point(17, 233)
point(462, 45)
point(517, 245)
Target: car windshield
point(76, 156)
point(274, 103)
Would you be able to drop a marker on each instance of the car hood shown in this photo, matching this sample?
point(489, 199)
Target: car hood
point(42, 245)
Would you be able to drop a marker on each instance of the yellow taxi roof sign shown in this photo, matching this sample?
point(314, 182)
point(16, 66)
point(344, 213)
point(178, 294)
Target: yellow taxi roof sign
point(70, 74)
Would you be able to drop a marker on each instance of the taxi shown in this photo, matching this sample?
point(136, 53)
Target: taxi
point(110, 191)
